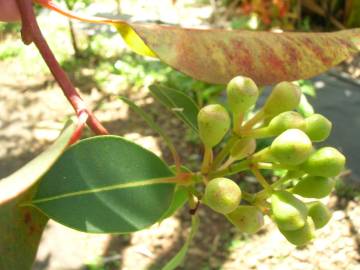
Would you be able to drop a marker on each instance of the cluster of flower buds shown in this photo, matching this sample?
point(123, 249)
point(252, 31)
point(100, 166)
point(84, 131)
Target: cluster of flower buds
point(309, 171)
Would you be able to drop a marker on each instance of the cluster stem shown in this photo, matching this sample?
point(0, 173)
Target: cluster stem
point(259, 116)
point(224, 152)
point(261, 179)
point(207, 161)
point(232, 169)
point(238, 120)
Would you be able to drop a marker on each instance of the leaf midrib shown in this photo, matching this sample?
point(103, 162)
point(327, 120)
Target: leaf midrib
point(148, 182)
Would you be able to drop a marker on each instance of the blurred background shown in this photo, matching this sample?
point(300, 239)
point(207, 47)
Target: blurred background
point(33, 111)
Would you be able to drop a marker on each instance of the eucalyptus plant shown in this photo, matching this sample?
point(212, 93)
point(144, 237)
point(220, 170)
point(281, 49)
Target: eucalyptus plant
point(107, 184)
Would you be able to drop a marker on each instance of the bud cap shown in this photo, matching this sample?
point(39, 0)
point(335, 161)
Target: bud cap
point(213, 122)
point(318, 127)
point(222, 195)
point(301, 236)
point(326, 162)
point(284, 97)
point(314, 187)
point(247, 218)
point(319, 213)
point(242, 94)
point(289, 212)
point(291, 147)
point(243, 149)
point(286, 120)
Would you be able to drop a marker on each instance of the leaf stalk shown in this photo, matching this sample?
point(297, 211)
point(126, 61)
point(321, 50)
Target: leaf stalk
point(31, 33)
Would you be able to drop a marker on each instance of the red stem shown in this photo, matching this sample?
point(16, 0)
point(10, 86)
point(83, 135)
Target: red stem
point(68, 13)
point(32, 33)
point(82, 118)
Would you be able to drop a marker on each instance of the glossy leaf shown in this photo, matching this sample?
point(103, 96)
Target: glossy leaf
point(181, 195)
point(179, 103)
point(179, 257)
point(21, 227)
point(106, 184)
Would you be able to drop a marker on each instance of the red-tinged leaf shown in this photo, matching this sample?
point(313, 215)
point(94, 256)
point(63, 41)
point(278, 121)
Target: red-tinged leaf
point(216, 55)
point(21, 227)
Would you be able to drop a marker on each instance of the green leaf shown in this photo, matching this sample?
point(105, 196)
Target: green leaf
point(180, 197)
point(179, 257)
point(21, 227)
point(106, 184)
point(352, 13)
point(154, 126)
point(179, 103)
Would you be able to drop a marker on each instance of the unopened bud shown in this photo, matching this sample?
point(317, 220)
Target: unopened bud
point(291, 147)
point(242, 94)
point(326, 162)
point(284, 97)
point(286, 120)
point(319, 213)
point(302, 236)
point(222, 195)
point(314, 187)
point(289, 212)
point(318, 127)
point(247, 218)
point(213, 123)
point(243, 149)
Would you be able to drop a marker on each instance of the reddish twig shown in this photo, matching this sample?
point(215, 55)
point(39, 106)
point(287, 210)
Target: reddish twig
point(31, 33)
point(82, 118)
point(68, 13)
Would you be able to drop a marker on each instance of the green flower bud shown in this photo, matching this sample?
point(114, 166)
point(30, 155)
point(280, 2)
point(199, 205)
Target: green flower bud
point(318, 127)
point(213, 123)
point(222, 195)
point(247, 218)
point(243, 149)
point(242, 94)
point(319, 213)
point(289, 213)
point(284, 97)
point(285, 121)
point(302, 236)
point(326, 162)
point(314, 187)
point(291, 147)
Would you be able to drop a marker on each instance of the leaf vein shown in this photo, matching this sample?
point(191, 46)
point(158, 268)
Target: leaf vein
point(148, 182)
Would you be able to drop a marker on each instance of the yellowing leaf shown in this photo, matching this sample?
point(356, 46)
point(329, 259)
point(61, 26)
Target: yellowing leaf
point(216, 55)
point(133, 40)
